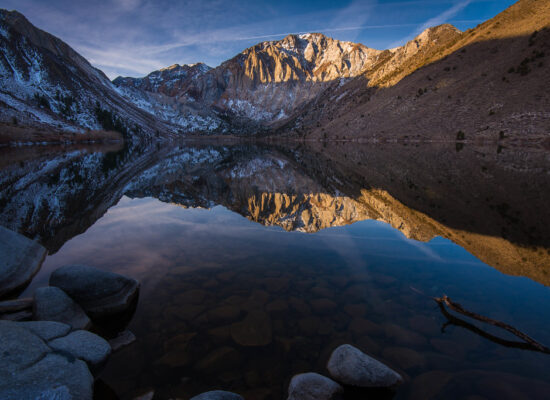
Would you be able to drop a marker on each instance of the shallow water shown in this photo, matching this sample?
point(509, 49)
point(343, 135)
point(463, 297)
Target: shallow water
point(256, 262)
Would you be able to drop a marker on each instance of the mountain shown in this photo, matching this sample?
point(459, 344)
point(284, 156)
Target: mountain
point(168, 81)
point(488, 83)
point(45, 83)
point(169, 95)
point(265, 82)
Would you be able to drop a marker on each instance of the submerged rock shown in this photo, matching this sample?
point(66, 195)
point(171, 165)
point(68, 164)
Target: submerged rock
point(218, 395)
point(123, 339)
point(84, 345)
point(312, 386)
point(20, 259)
point(53, 304)
point(146, 396)
point(219, 360)
point(350, 366)
point(254, 330)
point(100, 293)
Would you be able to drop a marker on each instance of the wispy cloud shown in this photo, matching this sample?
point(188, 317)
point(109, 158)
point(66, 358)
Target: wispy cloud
point(439, 19)
point(134, 37)
point(445, 16)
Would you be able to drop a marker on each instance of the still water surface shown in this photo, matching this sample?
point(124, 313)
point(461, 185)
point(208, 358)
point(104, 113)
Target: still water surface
point(256, 262)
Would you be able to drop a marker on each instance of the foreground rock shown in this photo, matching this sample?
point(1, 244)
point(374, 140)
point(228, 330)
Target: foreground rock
point(99, 293)
point(312, 386)
point(350, 366)
point(29, 369)
point(84, 345)
point(47, 330)
point(20, 259)
point(218, 395)
point(53, 304)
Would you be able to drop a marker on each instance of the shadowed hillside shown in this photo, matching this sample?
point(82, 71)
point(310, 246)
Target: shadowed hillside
point(489, 82)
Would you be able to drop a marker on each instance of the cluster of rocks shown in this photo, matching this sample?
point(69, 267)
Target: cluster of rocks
point(45, 348)
point(20, 260)
point(348, 367)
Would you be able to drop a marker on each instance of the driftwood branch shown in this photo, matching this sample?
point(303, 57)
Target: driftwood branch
point(446, 301)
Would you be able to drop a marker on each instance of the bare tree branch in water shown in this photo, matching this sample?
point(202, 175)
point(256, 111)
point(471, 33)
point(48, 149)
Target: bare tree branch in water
point(527, 344)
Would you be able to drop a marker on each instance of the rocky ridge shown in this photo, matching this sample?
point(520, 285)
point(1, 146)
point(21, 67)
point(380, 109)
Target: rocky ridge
point(45, 83)
point(302, 86)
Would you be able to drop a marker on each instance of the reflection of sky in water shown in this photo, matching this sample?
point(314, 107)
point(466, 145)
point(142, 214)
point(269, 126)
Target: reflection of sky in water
point(145, 239)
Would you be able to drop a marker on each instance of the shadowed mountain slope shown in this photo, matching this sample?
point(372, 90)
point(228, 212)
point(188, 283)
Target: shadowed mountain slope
point(489, 82)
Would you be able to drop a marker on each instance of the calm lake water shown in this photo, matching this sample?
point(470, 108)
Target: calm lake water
point(257, 261)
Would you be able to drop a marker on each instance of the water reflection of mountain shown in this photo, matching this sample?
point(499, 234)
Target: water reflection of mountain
point(489, 200)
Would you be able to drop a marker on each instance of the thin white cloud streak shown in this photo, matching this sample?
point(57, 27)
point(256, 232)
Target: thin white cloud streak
point(144, 59)
point(156, 36)
point(445, 16)
point(439, 19)
point(342, 29)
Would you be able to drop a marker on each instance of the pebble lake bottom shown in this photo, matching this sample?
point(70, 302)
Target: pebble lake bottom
point(227, 303)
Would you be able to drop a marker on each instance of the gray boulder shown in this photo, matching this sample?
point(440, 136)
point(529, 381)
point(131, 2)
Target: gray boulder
point(53, 304)
point(46, 330)
point(29, 369)
point(19, 348)
point(84, 345)
point(53, 377)
point(100, 293)
point(312, 386)
point(20, 259)
point(350, 366)
point(218, 395)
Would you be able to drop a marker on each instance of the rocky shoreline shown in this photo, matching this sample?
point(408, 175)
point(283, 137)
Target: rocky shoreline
point(49, 349)
point(54, 356)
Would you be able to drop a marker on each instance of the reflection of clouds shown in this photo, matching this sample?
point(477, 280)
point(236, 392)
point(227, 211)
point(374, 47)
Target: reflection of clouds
point(146, 239)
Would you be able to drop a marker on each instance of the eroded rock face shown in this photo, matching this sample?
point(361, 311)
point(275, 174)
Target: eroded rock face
point(100, 293)
point(263, 83)
point(350, 366)
point(20, 259)
point(67, 83)
point(53, 304)
point(312, 386)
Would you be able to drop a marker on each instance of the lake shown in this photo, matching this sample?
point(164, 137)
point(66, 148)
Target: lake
point(257, 260)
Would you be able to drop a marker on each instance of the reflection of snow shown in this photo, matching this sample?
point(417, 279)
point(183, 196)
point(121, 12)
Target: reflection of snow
point(255, 166)
point(247, 109)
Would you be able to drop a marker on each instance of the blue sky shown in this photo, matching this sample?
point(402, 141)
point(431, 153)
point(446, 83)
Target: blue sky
point(135, 37)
